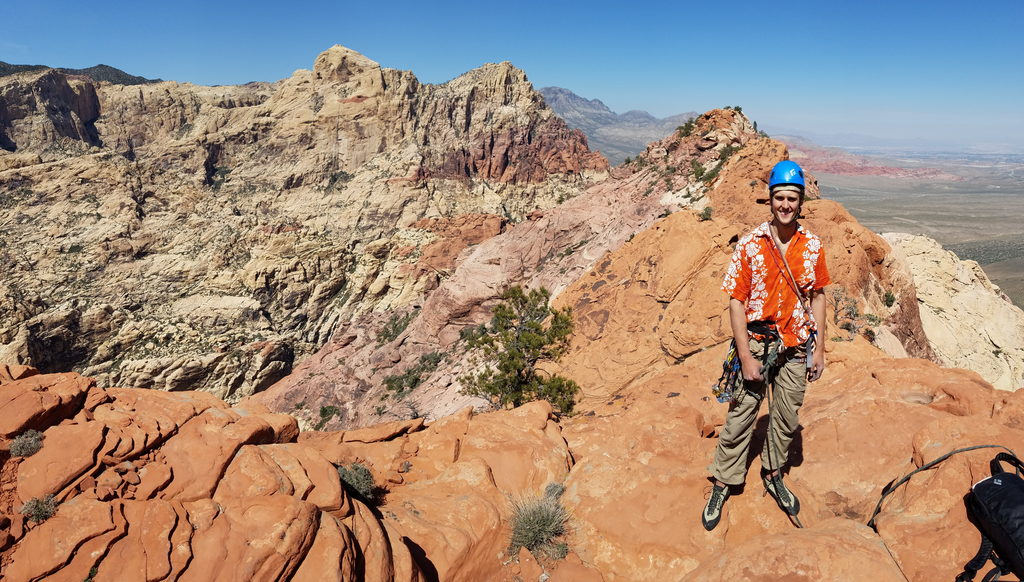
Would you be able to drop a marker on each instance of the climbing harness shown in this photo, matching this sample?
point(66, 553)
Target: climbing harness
point(729, 387)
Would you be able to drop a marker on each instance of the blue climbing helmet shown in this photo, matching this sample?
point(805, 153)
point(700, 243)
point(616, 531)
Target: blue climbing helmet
point(786, 172)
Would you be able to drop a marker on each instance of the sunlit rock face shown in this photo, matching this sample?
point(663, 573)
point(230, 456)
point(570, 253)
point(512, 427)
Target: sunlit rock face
point(970, 324)
point(177, 237)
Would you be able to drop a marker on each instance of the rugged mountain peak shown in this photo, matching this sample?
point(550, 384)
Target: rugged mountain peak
point(501, 82)
point(340, 64)
point(292, 207)
point(47, 109)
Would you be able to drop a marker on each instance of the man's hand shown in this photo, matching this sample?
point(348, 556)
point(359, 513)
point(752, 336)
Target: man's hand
point(751, 369)
point(817, 366)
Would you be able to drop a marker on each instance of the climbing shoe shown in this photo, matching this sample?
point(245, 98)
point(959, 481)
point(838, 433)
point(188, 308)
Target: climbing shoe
point(713, 510)
point(783, 496)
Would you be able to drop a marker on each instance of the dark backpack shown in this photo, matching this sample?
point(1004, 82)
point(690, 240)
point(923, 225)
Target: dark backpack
point(996, 506)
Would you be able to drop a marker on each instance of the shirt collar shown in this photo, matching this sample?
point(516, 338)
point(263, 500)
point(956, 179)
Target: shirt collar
point(764, 229)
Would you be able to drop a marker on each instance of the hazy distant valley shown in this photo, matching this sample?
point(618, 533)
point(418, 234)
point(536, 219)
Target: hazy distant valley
point(978, 217)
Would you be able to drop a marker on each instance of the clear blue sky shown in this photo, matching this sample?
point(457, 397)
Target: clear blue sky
point(940, 71)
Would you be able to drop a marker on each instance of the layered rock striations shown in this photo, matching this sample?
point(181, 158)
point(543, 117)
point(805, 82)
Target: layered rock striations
point(150, 485)
point(155, 485)
point(174, 236)
point(969, 323)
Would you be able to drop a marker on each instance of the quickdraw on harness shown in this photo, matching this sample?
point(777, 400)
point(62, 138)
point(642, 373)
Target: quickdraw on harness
point(729, 387)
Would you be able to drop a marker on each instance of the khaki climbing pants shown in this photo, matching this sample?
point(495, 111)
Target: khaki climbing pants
point(730, 463)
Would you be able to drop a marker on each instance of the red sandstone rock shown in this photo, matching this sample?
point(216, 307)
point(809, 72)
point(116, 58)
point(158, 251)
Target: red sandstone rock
point(10, 373)
point(39, 401)
point(68, 452)
point(834, 550)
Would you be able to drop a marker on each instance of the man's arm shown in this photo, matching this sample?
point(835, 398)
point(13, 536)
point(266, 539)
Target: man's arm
point(818, 357)
point(738, 321)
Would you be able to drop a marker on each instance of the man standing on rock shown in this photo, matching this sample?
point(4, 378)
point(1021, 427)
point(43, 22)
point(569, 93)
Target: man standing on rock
point(777, 311)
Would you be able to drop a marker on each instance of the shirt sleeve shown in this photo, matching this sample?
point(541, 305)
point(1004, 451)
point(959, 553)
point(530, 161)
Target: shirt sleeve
point(737, 277)
point(821, 276)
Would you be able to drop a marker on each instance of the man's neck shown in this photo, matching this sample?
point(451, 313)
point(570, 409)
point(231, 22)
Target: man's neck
point(784, 232)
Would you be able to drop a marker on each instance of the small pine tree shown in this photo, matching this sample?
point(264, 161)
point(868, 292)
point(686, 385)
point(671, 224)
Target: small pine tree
point(687, 128)
point(523, 331)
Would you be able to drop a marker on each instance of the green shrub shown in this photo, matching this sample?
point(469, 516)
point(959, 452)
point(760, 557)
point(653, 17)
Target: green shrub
point(403, 384)
point(705, 214)
point(471, 333)
point(687, 128)
point(39, 509)
point(727, 152)
point(696, 169)
point(27, 443)
point(217, 177)
point(523, 331)
point(339, 178)
point(394, 327)
point(890, 298)
point(537, 524)
point(869, 334)
point(358, 480)
point(710, 176)
point(326, 414)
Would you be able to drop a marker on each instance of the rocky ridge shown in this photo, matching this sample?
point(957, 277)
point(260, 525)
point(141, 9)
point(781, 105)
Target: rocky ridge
point(552, 249)
point(569, 248)
point(174, 236)
point(97, 73)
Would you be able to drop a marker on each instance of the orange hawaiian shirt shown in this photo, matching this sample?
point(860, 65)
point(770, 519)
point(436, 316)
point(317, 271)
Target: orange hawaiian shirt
point(756, 278)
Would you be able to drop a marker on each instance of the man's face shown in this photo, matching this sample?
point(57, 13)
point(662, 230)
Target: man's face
point(785, 206)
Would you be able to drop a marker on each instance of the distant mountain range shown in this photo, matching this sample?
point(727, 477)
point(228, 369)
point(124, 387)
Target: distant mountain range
point(97, 73)
point(616, 135)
